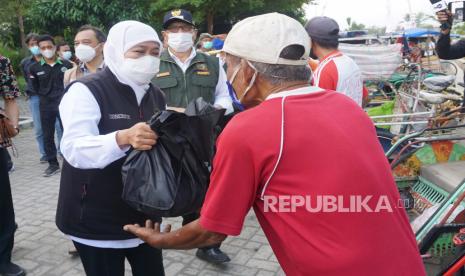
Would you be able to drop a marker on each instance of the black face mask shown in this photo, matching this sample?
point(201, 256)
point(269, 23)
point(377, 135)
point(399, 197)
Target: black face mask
point(312, 54)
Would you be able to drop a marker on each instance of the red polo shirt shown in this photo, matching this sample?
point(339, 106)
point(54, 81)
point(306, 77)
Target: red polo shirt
point(338, 72)
point(330, 150)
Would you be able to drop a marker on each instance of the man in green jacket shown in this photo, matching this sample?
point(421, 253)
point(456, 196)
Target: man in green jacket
point(186, 75)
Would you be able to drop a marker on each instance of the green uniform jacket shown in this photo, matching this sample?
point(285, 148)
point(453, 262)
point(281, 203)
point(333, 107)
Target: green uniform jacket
point(180, 88)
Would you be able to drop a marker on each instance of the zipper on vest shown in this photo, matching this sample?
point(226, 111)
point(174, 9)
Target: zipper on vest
point(141, 114)
point(184, 75)
point(185, 87)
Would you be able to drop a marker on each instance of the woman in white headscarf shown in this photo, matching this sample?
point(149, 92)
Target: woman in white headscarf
point(103, 116)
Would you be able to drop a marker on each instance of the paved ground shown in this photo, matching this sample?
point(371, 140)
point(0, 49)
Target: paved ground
point(42, 249)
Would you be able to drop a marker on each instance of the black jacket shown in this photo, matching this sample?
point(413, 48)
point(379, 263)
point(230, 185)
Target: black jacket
point(47, 82)
point(25, 66)
point(89, 203)
point(446, 50)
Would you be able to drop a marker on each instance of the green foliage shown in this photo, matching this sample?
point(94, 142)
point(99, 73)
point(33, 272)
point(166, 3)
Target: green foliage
point(63, 17)
point(10, 11)
point(458, 28)
point(354, 26)
point(423, 20)
point(55, 16)
point(7, 38)
point(232, 10)
point(15, 57)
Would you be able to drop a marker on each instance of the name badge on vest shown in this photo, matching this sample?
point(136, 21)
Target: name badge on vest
point(164, 74)
point(202, 69)
point(119, 116)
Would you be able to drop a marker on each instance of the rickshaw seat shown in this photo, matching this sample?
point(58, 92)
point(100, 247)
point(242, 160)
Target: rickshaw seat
point(432, 98)
point(445, 175)
point(439, 83)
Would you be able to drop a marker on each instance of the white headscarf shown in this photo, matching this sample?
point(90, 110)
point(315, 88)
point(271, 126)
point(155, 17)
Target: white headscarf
point(122, 37)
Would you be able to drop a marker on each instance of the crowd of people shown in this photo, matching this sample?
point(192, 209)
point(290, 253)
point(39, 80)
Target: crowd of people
point(291, 134)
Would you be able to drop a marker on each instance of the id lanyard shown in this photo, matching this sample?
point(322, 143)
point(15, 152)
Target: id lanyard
point(316, 75)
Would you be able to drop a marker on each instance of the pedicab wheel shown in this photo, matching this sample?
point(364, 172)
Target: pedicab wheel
point(448, 68)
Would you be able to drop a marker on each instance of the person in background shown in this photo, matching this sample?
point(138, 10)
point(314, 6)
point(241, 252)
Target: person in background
point(204, 43)
point(64, 51)
point(430, 47)
point(47, 80)
point(444, 47)
point(88, 46)
point(313, 63)
point(186, 75)
point(296, 145)
point(104, 116)
point(217, 43)
point(33, 97)
point(9, 92)
point(88, 43)
point(335, 70)
point(415, 50)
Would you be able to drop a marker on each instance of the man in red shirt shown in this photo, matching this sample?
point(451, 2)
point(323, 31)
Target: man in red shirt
point(335, 71)
point(309, 163)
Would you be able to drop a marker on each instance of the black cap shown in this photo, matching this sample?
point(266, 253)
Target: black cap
point(322, 27)
point(177, 15)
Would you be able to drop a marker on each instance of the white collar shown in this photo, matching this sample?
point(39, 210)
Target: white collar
point(295, 92)
point(188, 60)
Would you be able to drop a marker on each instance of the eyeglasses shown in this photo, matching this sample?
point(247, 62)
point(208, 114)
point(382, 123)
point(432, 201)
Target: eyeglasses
point(177, 28)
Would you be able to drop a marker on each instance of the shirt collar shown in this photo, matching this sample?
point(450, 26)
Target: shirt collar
point(83, 67)
point(58, 60)
point(295, 92)
point(332, 54)
point(188, 60)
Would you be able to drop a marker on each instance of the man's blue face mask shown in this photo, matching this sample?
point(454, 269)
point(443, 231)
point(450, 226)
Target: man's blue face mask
point(35, 50)
point(237, 105)
point(236, 101)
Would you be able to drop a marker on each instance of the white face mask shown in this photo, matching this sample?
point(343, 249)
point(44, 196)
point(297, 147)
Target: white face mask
point(141, 70)
point(252, 81)
point(85, 53)
point(48, 53)
point(180, 42)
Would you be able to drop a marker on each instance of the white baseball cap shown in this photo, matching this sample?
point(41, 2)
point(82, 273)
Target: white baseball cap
point(262, 38)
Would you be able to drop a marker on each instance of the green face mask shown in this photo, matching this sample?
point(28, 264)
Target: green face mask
point(208, 45)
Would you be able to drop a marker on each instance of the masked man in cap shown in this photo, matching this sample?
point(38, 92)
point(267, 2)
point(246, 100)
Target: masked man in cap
point(335, 71)
point(205, 44)
point(185, 75)
point(284, 157)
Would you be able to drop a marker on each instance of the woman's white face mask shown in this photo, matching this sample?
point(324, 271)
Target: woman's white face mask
point(180, 42)
point(141, 70)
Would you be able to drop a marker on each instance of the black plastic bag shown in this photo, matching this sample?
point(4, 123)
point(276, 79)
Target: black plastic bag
point(171, 179)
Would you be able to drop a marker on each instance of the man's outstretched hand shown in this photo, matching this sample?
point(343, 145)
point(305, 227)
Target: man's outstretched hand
point(191, 235)
point(151, 233)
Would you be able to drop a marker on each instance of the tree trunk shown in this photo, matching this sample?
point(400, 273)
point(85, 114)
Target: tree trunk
point(210, 21)
point(19, 15)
